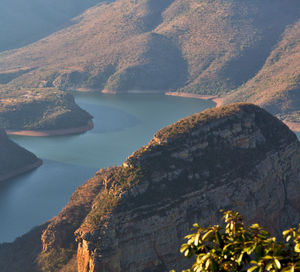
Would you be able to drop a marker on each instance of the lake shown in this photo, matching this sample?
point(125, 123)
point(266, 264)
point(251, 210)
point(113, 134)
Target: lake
point(123, 123)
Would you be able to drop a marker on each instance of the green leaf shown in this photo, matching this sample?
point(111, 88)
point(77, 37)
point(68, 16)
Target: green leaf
point(277, 263)
point(184, 247)
point(286, 232)
point(206, 235)
point(297, 248)
point(219, 239)
point(187, 252)
point(252, 268)
point(196, 243)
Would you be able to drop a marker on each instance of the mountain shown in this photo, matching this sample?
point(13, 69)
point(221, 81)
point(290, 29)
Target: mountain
point(41, 112)
point(276, 86)
point(134, 217)
point(24, 22)
point(14, 160)
point(188, 46)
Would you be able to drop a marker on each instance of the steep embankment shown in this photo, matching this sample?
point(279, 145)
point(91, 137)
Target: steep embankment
point(133, 217)
point(41, 112)
point(15, 160)
point(277, 85)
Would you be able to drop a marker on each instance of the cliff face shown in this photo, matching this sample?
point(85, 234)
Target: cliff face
point(239, 157)
point(134, 217)
point(15, 160)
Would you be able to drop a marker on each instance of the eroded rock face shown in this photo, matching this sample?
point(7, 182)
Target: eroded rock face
point(237, 157)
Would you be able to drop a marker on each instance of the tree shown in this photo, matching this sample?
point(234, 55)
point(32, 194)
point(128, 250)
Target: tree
point(237, 247)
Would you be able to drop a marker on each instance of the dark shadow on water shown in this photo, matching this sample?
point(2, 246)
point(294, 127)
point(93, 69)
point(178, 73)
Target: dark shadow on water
point(33, 198)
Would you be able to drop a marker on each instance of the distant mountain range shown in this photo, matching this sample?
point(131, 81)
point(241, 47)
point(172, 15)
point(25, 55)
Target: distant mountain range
point(23, 22)
point(248, 49)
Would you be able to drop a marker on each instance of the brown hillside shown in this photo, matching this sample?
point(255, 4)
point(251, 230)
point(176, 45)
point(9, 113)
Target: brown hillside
point(203, 47)
point(277, 86)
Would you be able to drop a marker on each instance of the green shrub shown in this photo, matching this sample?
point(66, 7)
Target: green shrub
point(237, 247)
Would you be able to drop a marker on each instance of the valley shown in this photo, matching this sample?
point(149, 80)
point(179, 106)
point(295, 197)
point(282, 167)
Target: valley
point(123, 122)
point(121, 125)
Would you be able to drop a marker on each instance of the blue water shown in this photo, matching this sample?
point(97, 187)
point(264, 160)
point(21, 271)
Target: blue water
point(122, 125)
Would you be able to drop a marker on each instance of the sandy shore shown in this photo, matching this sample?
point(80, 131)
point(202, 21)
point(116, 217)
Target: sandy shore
point(219, 102)
point(214, 98)
point(21, 171)
point(132, 92)
point(55, 132)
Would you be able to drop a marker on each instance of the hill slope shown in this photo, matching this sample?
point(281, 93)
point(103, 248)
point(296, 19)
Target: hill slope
point(276, 86)
point(133, 217)
point(42, 112)
point(23, 22)
point(14, 160)
point(207, 47)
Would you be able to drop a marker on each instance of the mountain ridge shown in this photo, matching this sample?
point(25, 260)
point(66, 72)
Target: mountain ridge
point(133, 217)
point(208, 48)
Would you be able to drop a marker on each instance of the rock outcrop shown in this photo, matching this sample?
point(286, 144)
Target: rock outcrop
point(134, 217)
point(238, 157)
point(15, 160)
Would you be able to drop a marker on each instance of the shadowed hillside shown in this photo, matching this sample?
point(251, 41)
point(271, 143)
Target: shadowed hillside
point(277, 85)
point(190, 46)
point(14, 160)
point(207, 47)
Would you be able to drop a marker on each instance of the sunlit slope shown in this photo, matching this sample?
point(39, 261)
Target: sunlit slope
point(206, 47)
point(277, 85)
point(22, 22)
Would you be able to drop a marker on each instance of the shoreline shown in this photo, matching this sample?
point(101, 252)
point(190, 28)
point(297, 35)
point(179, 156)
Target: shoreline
point(218, 100)
point(105, 91)
point(294, 126)
point(54, 132)
point(21, 171)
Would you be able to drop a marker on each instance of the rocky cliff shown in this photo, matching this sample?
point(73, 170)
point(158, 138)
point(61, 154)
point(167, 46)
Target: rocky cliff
point(134, 217)
point(15, 160)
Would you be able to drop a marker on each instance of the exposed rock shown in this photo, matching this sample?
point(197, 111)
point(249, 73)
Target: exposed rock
point(134, 217)
point(237, 157)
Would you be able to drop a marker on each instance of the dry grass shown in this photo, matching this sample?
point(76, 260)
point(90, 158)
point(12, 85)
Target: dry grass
point(277, 85)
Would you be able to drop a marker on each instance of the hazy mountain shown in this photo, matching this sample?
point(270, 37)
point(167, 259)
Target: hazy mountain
point(202, 47)
point(23, 22)
point(206, 47)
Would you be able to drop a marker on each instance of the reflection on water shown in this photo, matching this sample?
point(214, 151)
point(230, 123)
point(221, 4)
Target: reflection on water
point(122, 125)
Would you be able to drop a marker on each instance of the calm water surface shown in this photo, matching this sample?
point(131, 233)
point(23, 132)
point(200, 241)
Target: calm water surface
point(122, 125)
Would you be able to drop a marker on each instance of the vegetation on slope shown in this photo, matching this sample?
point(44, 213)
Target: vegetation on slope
point(277, 85)
point(206, 47)
point(237, 247)
point(40, 109)
point(14, 160)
